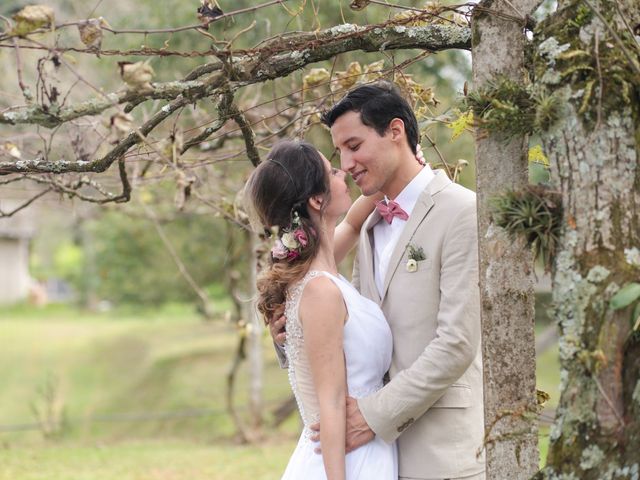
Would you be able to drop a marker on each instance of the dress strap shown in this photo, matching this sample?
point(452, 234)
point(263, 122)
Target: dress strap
point(295, 293)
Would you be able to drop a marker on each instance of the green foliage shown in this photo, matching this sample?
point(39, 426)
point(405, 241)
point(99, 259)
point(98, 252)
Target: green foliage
point(625, 296)
point(538, 173)
point(597, 68)
point(460, 124)
point(539, 167)
point(583, 15)
point(535, 214)
point(134, 266)
point(548, 110)
point(67, 262)
point(510, 108)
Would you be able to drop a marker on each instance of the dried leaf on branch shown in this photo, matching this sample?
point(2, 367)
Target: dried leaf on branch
point(31, 18)
point(315, 78)
point(348, 78)
point(208, 11)
point(137, 75)
point(91, 32)
point(359, 4)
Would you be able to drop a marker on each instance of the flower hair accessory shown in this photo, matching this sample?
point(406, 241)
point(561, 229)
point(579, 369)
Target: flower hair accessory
point(291, 242)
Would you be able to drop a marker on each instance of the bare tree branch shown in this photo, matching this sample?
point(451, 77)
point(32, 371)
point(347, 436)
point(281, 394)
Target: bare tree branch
point(223, 115)
point(247, 134)
point(25, 204)
point(202, 295)
point(10, 35)
point(278, 58)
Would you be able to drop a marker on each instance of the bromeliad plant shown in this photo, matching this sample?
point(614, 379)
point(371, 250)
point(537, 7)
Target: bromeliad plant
point(534, 213)
point(510, 108)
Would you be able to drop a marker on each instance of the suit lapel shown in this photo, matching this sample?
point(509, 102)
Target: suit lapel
point(367, 279)
point(420, 210)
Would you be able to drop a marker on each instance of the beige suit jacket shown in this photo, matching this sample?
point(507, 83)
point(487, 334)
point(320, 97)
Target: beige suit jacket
point(433, 403)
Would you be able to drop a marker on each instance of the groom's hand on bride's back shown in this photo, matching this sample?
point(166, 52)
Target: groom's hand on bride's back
point(276, 326)
point(358, 431)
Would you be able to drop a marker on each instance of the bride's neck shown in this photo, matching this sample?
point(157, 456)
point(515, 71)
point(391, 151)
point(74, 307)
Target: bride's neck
point(325, 258)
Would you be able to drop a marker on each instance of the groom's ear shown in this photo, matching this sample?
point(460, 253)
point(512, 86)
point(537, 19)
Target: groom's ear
point(396, 129)
point(315, 202)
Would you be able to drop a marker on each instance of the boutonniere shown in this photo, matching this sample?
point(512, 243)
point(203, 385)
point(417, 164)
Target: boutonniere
point(416, 254)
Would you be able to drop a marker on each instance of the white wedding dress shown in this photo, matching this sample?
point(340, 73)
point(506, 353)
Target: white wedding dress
point(367, 351)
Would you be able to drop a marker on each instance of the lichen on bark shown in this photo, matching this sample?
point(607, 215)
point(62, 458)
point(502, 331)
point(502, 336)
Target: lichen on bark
point(593, 152)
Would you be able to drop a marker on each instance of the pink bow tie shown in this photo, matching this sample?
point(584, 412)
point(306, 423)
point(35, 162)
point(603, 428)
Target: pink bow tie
point(391, 209)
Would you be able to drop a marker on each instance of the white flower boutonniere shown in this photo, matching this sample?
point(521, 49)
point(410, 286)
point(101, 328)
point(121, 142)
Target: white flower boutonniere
point(416, 254)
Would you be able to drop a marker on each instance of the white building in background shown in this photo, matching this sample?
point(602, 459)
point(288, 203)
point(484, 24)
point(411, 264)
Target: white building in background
point(15, 235)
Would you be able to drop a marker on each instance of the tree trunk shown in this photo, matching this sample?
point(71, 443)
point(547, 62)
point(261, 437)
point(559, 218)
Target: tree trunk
point(506, 267)
point(593, 151)
point(254, 333)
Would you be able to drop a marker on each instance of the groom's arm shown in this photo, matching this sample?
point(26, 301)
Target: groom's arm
point(414, 390)
point(277, 330)
point(355, 274)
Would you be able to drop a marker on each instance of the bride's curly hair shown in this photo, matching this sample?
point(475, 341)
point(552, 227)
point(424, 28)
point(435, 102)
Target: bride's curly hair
point(278, 191)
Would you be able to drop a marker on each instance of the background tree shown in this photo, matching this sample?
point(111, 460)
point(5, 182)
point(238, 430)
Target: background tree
point(506, 267)
point(587, 58)
point(583, 103)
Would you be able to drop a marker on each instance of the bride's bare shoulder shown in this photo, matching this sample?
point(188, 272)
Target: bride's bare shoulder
point(322, 301)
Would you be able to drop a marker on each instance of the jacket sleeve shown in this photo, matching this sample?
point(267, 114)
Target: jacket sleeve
point(355, 275)
point(282, 356)
point(414, 390)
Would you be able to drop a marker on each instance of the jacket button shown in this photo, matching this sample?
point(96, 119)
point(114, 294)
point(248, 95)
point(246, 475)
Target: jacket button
point(404, 426)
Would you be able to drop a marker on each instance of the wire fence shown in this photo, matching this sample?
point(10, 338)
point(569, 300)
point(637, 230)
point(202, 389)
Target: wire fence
point(124, 418)
point(545, 417)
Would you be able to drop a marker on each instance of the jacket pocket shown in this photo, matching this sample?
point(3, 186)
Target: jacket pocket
point(456, 396)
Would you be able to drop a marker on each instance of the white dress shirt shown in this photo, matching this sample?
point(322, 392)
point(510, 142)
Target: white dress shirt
point(385, 235)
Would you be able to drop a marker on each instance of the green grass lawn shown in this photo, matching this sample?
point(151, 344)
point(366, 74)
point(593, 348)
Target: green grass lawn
point(85, 365)
point(88, 365)
point(82, 366)
point(148, 460)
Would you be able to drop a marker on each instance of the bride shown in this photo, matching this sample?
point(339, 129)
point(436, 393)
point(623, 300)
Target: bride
point(338, 342)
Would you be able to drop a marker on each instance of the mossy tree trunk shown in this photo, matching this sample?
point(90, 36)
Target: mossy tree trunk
point(593, 150)
point(506, 267)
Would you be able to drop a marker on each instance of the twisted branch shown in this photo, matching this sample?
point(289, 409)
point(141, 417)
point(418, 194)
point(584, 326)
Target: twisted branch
point(276, 58)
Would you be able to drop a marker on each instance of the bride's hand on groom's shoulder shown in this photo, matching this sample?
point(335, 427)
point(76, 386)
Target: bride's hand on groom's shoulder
point(276, 326)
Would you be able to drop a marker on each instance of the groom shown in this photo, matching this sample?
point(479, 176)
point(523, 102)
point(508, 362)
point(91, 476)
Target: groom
point(418, 259)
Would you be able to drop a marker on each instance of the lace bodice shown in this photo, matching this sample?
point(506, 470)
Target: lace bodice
point(367, 346)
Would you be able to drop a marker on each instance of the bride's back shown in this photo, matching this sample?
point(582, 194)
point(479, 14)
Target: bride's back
point(367, 346)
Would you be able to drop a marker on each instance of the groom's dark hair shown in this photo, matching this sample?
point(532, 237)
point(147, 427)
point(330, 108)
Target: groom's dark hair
point(378, 104)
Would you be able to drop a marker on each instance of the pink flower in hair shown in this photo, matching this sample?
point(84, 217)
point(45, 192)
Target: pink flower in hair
point(279, 251)
point(301, 236)
point(292, 255)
